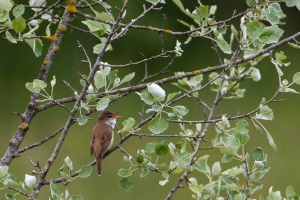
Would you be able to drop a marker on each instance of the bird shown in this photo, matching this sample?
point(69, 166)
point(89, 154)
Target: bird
point(103, 136)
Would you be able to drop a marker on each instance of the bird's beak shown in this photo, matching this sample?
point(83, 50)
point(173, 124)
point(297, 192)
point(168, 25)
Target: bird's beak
point(115, 115)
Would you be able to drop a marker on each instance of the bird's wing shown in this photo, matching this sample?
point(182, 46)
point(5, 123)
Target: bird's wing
point(105, 143)
point(92, 144)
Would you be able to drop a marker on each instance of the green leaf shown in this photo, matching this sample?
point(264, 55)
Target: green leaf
point(69, 163)
point(201, 164)
point(146, 97)
point(18, 10)
point(157, 92)
point(291, 3)
point(102, 103)
point(270, 35)
point(36, 86)
point(30, 180)
point(158, 125)
point(9, 197)
point(99, 79)
point(234, 171)
point(258, 154)
point(231, 145)
point(91, 98)
point(227, 158)
point(112, 76)
point(290, 193)
point(64, 174)
point(150, 147)
point(3, 171)
point(128, 124)
point(154, 2)
point(35, 44)
point(82, 120)
point(5, 5)
point(294, 45)
point(85, 171)
point(127, 78)
point(253, 29)
point(54, 192)
point(124, 172)
point(266, 113)
point(9, 37)
point(125, 184)
point(224, 46)
point(250, 3)
point(216, 169)
point(171, 96)
point(162, 148)
point(180, 110)
point(271, 140)
point(296, 78)
point(194, 187)
point(145, 172)
point(93, 25)
point(19, 24)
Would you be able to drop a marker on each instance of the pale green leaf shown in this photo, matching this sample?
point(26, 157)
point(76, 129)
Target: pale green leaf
point(294, 45)
point(296, 78)
point(201, 164)
point(54, 192)
point(224, 46)
point(265, 113)
point(171, 96)
point(99, 79)
point(124, 172)
point(180, 110)
point(216, 169)
point(102, 103)
point(150, 147)
point(145, 172)
point(128, 124)
point(291, 3)
point(146, 97)
point(270, 35)
point(127, 78)
point(3, 171)
point(158, 125)
point(157, 92)
point(69, 163)
point(30, 180)
point(5, 5)
point(9, 37)
point(82, 120)
point(77, 197)
point(125, 184)
point(258, 153)
point(85, 171)
point(18, 10)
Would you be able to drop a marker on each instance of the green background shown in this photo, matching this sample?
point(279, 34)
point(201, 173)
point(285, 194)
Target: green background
point(19, 65)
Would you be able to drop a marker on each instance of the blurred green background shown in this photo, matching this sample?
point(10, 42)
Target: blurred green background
point(19, 65)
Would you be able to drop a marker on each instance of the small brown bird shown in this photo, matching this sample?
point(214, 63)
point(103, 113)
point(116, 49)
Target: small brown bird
point(103, 136)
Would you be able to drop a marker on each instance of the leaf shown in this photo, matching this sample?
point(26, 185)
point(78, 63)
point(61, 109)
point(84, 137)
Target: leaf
point(125, 184)
point(82, 120)
point(69, 163)
point(255, 74)
point(124, 172)
point(231, 145)
point(290, 193)
point(216, 169)
point(250, 3)
point(85, 171)
point(128, 124)
point(150, 147)
point(270, 35)
point(180, 110)
point(294, 45)
point(145, 172)
point(139, 158)
point(112, 76)
point(19, 24)
point(171, 96)
point(253, 29)
point(127, 78)
point(9, 37)
point(5, 5)
point(30, 180)
point(9, 197)
point(266, 113)
point(224, 46)
point(258, 154)
point(146, 97)
point(271, 140)
point(227, 158)
point(92, 25)
point(99, 79)
point(291, 3)
point(3, 171)
point(296, 78)
point(157, 92)
point(102, 103)
point(201, 165)
point(158, 125)
point(18, 10)
point(162, 148)
point(54, 192)
point(36, 86)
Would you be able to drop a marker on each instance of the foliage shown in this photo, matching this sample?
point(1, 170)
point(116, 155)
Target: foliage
point(239, 48)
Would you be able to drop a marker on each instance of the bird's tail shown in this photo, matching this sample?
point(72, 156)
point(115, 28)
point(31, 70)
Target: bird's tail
point(99, 164)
